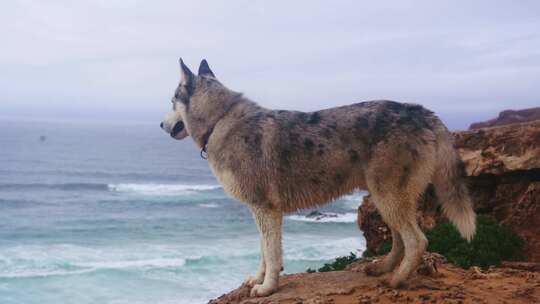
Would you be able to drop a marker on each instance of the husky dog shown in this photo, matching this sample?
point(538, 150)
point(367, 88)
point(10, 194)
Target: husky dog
point(279, 162)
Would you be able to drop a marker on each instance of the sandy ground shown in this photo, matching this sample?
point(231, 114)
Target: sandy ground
point(436, 282)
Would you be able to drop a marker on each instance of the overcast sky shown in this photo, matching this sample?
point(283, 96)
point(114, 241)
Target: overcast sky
point(112, 59)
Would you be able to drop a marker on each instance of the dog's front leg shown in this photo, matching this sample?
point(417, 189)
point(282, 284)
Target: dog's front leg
point(258, 278)
point(269, 222)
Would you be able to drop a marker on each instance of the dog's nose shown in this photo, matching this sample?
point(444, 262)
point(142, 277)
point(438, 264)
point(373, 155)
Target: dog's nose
point(161, 125)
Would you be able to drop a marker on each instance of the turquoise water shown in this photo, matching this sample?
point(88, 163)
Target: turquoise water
point(120, 213)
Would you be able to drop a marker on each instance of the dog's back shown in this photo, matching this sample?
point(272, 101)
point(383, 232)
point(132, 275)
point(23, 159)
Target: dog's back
point(300, 160)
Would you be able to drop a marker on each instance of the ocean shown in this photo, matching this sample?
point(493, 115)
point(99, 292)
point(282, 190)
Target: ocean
point(121, 213)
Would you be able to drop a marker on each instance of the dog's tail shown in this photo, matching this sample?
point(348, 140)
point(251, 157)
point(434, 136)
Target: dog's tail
point(450, 186)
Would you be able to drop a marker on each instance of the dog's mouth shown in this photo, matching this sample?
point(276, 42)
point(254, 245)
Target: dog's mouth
point(179, 131)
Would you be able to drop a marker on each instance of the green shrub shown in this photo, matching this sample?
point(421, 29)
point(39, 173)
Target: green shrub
point(385, 247)
point(492, 244)
point(368, 253)
point(338, 264)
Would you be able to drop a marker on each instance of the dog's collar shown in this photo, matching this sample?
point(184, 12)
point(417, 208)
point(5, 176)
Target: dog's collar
point(206, 136)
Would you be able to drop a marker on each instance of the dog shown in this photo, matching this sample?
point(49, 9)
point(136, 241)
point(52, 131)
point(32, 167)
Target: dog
point(279, 162)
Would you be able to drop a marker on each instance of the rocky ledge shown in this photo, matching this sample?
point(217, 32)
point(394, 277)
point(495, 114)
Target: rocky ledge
point(436, 281)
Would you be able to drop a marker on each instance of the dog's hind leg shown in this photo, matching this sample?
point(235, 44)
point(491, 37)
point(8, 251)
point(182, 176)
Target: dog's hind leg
point(391, 260)
point(408, 241)
point(415, 244)
point(397, 175)
point(270, 223)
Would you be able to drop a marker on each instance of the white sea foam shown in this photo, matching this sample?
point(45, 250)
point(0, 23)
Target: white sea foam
point(40, 273)
point(209, 205)
point(150, 263)
point(161, 189)
point(86, 267)
point(354, 200)
point(64, 259)
point(326, 217)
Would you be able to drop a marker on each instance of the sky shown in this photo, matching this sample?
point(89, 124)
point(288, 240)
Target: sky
point(118, 60)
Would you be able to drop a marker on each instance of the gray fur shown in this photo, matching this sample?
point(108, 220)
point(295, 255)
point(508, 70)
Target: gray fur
point(280, 161)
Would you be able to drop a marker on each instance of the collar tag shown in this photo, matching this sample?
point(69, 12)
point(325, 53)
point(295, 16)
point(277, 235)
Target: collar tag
point(204, 153)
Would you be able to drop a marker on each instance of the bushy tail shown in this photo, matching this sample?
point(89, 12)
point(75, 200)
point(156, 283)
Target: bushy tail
point(451, 188)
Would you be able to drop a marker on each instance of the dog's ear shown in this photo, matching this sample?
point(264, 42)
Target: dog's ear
point(204, 69)
point(187, 75)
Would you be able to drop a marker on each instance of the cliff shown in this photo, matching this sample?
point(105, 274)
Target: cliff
point(435, 282)
point(509, 117)
point(503, 168)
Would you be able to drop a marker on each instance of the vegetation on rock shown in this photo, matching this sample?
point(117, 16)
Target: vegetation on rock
point(338, 264)
point(492, 244)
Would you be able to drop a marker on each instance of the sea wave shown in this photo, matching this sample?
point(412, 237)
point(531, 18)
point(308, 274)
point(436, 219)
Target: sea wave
point(87, 267)
point(61, 186)
point(26, 261)
point(327, 217)
point(161, 189)
point(40, 273)
point(147, 189)
point(310, 248)
point(209, 205)
point(142, 175)
point(144, 263)
point(354, 200)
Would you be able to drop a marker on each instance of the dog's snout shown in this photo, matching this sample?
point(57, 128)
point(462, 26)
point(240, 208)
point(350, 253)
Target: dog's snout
point(161, 125)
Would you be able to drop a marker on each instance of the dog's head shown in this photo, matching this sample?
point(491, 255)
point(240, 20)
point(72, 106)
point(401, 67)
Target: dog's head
point(191, 88)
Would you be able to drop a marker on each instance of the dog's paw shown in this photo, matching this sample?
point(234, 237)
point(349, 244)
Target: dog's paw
point(374, 269)
point(253, 280)
point(395, 283)
point(262, 290)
